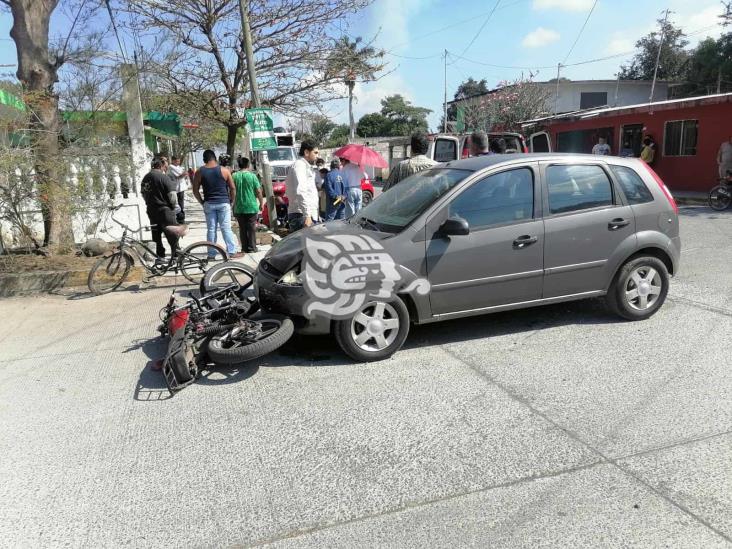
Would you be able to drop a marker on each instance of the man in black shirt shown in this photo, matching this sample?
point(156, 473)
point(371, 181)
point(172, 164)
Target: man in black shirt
point(159, 192)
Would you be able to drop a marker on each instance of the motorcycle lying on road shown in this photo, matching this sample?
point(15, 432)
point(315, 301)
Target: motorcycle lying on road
point(224, 326)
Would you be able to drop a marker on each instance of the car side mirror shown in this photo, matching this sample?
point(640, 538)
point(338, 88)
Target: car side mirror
point(455, 226)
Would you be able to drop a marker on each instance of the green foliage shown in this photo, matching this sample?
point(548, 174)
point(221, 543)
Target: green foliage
point(404, 117)
point(338, 137)
point(321, 128)
point(673, 55)
point(467, 89)
point(374, 124)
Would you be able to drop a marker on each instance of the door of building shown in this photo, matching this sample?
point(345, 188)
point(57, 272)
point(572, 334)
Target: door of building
point(632, 138)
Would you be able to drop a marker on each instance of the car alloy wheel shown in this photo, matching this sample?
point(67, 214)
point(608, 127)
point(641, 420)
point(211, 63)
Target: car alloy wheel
point(375, 326)
point(643, 288)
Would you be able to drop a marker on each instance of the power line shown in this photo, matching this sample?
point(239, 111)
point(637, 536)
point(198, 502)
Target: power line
point(495, 6)
point(452, 25)
point(415, 58)
point(580, 32)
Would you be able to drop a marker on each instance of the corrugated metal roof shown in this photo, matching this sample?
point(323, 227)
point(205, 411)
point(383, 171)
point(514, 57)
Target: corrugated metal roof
point(628, 109)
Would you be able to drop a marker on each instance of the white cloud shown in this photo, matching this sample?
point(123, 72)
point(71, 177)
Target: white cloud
point(566, 5)
point(708, 17)
point(393, 19)
point(620, 42)
point(540, 37)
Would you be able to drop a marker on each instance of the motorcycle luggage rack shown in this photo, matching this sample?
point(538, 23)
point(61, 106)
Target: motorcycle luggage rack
point(173, 384)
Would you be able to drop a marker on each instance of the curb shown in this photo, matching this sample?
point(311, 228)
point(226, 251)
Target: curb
point(43, 282)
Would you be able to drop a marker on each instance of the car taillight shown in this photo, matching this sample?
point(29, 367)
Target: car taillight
point(663, 186)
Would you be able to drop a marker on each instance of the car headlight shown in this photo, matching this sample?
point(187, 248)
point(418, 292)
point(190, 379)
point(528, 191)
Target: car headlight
point(292, 278)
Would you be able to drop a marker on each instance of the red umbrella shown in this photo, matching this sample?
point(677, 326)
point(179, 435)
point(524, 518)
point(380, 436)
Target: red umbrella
point(361, 155)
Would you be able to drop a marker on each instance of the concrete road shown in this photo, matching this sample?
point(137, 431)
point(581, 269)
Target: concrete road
point(558, 427)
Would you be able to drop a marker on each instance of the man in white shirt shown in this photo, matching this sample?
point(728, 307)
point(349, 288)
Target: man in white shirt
point(180, 177)
point(301, 191)
point(724, 157)
point(602, 148)
point(352, 175)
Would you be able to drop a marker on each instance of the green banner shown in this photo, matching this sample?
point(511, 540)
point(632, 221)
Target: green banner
point(261, 129)
point(7, 98)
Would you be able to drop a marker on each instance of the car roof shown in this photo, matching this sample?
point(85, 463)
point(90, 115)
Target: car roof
point(476, 163)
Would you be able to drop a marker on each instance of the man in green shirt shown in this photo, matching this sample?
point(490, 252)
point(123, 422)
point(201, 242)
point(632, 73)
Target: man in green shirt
point(248, 204)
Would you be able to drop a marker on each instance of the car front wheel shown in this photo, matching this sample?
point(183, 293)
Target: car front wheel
point(375, 332)
point(639, 289)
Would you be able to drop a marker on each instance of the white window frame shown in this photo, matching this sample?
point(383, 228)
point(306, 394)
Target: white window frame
point(681, 144)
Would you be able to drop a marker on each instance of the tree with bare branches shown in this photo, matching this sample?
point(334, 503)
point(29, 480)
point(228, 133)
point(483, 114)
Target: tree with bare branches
point(200, 53)
point(39, 61)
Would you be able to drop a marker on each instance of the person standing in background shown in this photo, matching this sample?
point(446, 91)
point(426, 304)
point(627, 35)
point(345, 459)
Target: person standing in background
point(648, 152)
point(158, 191)
point(248, 204)
point(724, 157)
point(180, 177)
point(419, 145)
point(219, 194)
point(301, 190)
point(352, 175)
point(335, 193)
point(601, 148)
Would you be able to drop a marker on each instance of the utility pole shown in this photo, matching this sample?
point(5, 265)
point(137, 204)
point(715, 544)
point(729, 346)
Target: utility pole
point(658, 55)
point(444, 119)
point(719, 80)
point(617, 89)
point(252, 70)
point(556, 95)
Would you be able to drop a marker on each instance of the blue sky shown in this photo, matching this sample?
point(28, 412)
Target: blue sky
point(520, 33)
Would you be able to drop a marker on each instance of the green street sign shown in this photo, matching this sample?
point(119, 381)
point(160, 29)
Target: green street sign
point(261, 129)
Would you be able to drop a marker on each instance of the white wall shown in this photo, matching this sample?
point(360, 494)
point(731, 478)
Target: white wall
point(629, 93)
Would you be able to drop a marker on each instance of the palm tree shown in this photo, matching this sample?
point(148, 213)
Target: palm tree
point(354, 61)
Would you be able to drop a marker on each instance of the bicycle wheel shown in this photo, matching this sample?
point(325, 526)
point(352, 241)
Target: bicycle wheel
point(225, 274)
point(720, 198)
point(108, 273)
point(198, 258)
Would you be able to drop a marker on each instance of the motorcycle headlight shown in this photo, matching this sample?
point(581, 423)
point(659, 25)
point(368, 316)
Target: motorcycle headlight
point(292, 278)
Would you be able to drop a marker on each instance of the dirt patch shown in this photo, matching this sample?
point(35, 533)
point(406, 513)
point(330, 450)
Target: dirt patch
point(14, 264)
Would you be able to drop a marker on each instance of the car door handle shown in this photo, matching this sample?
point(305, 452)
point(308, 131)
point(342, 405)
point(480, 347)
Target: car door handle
point(523, 241)
point(617, 223)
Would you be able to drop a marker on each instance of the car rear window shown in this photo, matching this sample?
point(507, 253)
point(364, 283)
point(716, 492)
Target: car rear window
point(635, 190)
point(577, 187)
point(445, 150)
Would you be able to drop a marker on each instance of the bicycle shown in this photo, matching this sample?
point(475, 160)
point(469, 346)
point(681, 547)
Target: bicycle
point(720, 197)
point(111, 270)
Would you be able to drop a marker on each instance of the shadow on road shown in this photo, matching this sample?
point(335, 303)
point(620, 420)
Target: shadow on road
point(324, 351)
point(704, 211)
point(181, 288)
point(151, 384)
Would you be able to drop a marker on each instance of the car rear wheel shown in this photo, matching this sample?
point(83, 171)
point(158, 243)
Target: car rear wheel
point(375, 332)
point(639, 289)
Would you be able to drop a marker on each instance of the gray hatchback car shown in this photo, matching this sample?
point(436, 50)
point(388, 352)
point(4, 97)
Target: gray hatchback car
point(477, 236)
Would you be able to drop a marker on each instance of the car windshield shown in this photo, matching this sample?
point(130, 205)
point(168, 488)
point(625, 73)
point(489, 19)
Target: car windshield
point(280, 154)
point(396, 208)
